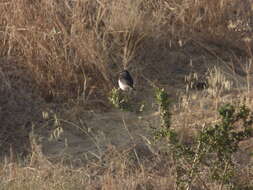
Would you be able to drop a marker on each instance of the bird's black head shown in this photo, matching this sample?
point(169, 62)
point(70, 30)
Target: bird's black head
point(124, 73)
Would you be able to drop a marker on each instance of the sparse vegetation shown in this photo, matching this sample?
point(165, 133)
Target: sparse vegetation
point(59, 62)
point(119, 100)
point(211, 151)
point(163, 101)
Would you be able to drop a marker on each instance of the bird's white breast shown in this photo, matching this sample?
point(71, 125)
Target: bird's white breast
point(123, 86)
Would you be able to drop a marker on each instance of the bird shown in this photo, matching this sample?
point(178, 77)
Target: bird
point(125, 81)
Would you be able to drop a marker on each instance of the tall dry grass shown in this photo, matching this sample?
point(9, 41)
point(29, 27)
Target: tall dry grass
point(74, 48)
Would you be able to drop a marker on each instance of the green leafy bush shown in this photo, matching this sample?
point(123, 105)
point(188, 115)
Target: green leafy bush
point(211, 150)
point(163, 101)
point(119, 100)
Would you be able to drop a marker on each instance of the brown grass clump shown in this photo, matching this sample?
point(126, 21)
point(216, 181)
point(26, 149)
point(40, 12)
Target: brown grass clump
point(116, 170)
point(75, 48)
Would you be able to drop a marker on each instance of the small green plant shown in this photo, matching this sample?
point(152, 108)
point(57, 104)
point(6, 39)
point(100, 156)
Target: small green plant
point(223, 140)
point(162, 98)
point(119, 100)
point(211, 150)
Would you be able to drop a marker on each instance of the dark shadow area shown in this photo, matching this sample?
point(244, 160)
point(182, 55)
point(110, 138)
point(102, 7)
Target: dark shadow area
point(19, 108)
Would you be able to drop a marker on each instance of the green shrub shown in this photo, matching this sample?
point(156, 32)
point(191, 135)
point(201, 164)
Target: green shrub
point(211, 150)
point(119, 100)
point(162, 98)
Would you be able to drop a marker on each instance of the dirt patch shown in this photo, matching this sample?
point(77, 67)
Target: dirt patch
point(90, 138)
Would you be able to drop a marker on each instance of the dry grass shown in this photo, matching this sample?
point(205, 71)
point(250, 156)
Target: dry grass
point(133, 166)
point(116, 170)
point(65, 56)
point(74, 48)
